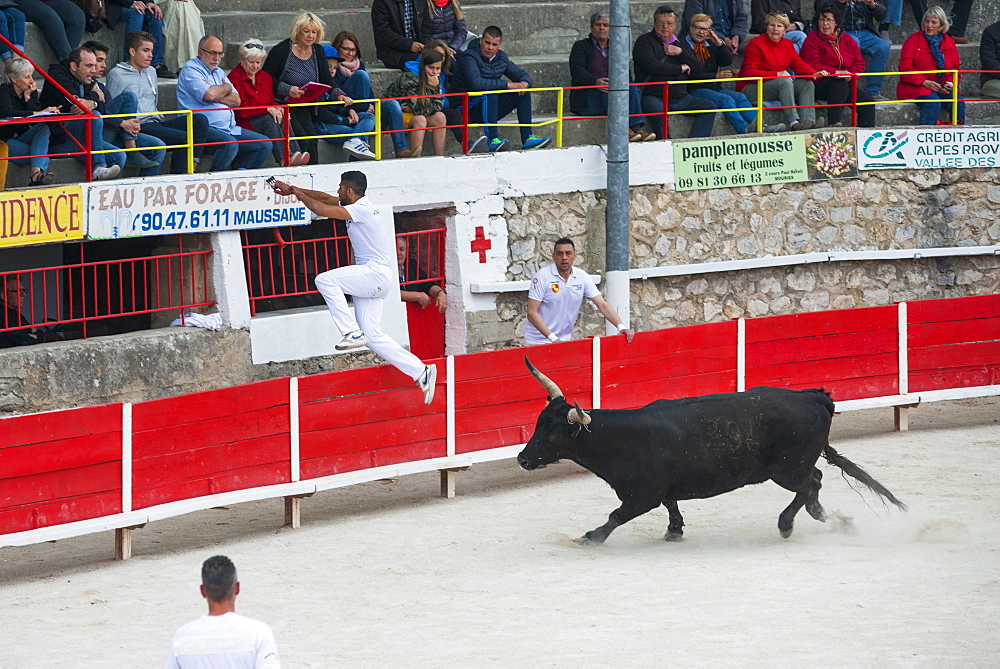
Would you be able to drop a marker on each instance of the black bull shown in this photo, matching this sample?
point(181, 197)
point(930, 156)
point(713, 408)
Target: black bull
point(694, 448)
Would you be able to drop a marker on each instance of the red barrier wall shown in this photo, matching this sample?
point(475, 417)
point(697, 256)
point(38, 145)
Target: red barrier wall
point(60, 467)
point(954, 343)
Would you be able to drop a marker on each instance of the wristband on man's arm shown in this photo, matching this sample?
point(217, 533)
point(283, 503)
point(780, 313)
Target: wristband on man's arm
point(622, 327)
point(553, 337)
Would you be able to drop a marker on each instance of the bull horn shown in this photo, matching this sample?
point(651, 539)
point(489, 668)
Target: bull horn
point(578, 415)
point(551, 388)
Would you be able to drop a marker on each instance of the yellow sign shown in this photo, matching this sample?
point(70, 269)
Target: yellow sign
point(41, 215)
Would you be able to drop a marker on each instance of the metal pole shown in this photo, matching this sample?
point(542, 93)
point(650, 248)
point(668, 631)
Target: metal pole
point(616, 213)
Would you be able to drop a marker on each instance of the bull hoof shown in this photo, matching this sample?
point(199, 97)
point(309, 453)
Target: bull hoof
point(816, 512)
point(785, 533)
point(673, 536)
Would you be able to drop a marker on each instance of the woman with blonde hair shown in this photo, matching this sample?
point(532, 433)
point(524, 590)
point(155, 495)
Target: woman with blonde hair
point(294, 62)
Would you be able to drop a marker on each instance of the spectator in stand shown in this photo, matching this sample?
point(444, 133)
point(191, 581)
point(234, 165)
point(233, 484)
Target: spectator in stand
point(989, 57)
point(730, 20)
point(962, 11)
point(716, 58)
point(790, 9)
point(451, 107)
point(61, 22)
point(19, 99)
point(203, 85)
point(344, 119)
point(588, 66)
point(401, 30)
point(448, 25)
point(11, 299)
point(771, 56)
point(182, 28)
point(349, 75)
point(931, 48)
point(256, 89)
point(859, 19)
point(137, 76)
point(423, 293)
point(485, 67)
point(123, 131)
point(294, 62)
point(831, 48)
point(11, 27)
point(139, 15)
point(222, 638)
point(660, 56)
point(424, 111)
point(76, 76)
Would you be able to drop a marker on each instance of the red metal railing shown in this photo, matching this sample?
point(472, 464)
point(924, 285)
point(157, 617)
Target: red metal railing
point(84, 292)
point(280, 270)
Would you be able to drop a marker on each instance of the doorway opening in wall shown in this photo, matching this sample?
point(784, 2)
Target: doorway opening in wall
point(420, 256)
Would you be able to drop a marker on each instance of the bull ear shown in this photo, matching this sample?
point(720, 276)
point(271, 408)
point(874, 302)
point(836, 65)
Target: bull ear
point(551, 388)
point(578, 415)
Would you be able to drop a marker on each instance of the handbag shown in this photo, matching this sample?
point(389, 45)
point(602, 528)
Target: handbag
point(95, 11)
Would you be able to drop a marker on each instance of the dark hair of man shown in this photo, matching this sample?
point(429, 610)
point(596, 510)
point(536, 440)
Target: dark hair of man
point(76, 55)
point(663, 9)
point(135, 39)
point(493, 31)
point(218, 577)
point(564, 240)
point(356, 181)
point(831, 8)
point(95, 46)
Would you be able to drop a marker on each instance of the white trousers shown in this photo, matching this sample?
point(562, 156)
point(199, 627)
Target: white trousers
point(369, 285)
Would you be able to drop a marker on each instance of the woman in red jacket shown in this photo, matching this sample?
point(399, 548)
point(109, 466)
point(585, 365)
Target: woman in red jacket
point(830, 48)
point(774, 58)
point(930, 49)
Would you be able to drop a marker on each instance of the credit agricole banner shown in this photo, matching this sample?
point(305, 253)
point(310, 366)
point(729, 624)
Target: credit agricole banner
point(780, 158)
point(928, 148)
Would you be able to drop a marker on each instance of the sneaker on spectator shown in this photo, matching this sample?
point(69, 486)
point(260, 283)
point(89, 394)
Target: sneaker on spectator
point(426, 382)
point(536, 142)
point(357, 147)
point(878, 97)
point(819, 123)
point(299, 158)
point(478, 145)
point(776, 127)
point(104, 172)
point(634, 136)
point(351, 340)
point(138, 160)
point(497, 144)
point(802, 124)
point(960, 40)
point(163, 72)
point(410, 153)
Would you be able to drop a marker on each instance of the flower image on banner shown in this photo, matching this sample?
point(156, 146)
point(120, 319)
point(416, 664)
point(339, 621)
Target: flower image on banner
point(831, 155)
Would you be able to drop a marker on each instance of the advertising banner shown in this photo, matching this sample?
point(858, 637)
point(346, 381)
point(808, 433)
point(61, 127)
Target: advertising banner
point(928, 148)
point(728, 162)
point(192, 204)
point(41, 215)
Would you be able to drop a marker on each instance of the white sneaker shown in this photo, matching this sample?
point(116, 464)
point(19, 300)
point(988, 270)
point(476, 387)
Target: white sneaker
point(104, 172)
point(426, 382)
point(357, 147)
point(355, 339)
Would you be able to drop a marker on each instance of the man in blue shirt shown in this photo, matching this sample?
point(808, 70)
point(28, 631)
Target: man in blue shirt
point(203, 85)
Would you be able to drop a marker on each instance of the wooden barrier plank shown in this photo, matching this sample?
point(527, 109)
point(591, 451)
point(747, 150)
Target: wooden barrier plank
point(550, 359)
point(819, 371)
point(366, 408)
point(349, 438)
point(503, 391)
point(692, 363)
point(922, 335)
point(61, 454)
point(483, 441)
point(634, 395)
point(814, 323)
point(364, 381)
point(954, 378)
point(48, 486)
point(199, 433)
point(41, 428)
point(210, 460)
point(822, 347)
point(59, 512)
point(953, 308)
point(655, 343)
point(208, 405)
point(239, 479)
point(961, 355)
point(479, 419)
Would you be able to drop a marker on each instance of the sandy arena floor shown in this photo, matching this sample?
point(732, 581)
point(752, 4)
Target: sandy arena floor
point(389, 574)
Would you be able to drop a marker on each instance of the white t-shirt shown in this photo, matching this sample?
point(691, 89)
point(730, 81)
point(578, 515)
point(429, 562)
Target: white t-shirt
point(229, 641)
point(560, 301)
point(369, 235)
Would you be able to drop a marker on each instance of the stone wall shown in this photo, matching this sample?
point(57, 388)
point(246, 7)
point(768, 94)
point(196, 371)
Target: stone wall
point(878, 211)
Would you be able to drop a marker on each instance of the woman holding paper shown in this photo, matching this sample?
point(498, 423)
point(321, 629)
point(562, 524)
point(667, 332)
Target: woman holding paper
point(295, 62)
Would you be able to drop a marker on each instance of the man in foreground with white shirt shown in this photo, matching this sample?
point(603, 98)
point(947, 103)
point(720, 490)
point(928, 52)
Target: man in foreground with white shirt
point(222, 638)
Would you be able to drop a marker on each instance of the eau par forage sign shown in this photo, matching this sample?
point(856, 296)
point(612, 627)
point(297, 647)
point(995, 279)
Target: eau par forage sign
point(158, 207)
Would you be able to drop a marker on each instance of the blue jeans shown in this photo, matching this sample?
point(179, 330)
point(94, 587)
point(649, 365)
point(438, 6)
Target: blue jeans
point(174, 133)
point(133, 21)
point(126, 103)
point(729, 99)
point(31, 142)
point(61, 22)
point(76, 129)
point(930, 110)
point(878, 49)
point(597, 105)
point(246, 155)
point(894, 17)
point(796, 37)
point(366, 123)
point(701, 124)
point(358, 86)
point(495, 106)
point(11, 27)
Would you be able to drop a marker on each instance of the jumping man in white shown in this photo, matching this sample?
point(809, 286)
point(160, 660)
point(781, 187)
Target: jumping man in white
point(222, 638)
point(555, 296)
point(369, 281)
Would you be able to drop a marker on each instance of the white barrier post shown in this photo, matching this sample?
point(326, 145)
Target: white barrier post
point(901, 414)
point(741, 355)
point(448, 475)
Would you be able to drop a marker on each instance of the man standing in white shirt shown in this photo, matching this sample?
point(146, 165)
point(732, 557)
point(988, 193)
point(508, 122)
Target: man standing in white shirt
point(222, 638)
point(369, 281)
point(555, 296)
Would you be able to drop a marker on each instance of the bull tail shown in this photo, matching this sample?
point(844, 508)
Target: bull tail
point(860, 475)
